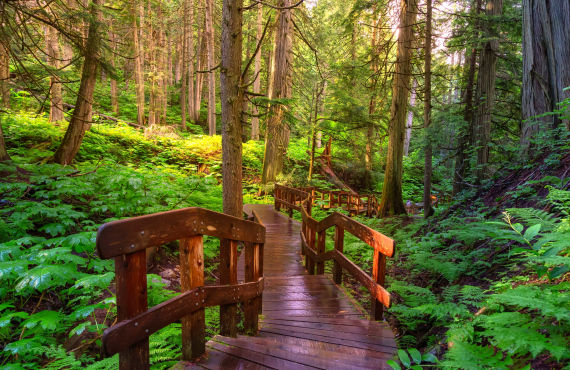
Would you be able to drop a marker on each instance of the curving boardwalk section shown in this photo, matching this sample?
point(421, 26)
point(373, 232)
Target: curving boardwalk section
point(307, 322)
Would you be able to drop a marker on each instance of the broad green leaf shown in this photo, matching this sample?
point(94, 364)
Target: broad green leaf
point(404, 358)
point(518, 227)
point(394, 365)
point(48, 320)
point(531, 232)
point(429, 357)
point(415, 355)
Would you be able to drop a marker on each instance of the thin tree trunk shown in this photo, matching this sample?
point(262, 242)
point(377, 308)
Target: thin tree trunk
point(184, 67)
point(256, 74)
point(486, 89)
point(138, 60)
point(4, 75)
point(231, 101)
point(465, 138)
point(211, 74)
point(546, 54)
point(428, 210)
point(3, 150)
point(54, 55)
point(277, 135)
point(391, 202)
point(114, 90)
point(410, 119)
point(81, 118)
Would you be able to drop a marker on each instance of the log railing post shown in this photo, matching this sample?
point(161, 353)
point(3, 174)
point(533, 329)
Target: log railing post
point(291, 201)
point(192, 276)
point(321, 249)
point(228, 276)
point(309, 263)
point(130, 277)
point(252, 265)
point(277, 196)
point(339, 247)
point(378, 275)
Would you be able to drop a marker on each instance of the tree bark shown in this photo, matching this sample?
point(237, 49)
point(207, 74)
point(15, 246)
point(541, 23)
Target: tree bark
point(256, 74)
point(81, 118)
point(3, 150)
point(185, 65)
point(277, 135)
point(391, 202)
point(546, 54)
point(4, 75)
point(232, 105)
point(428, 210)
point(53, 57)
point(486, 88)
point(138, 60)
point(211, 74)
point(410, 119)
point(114, 90)
point(465, 137)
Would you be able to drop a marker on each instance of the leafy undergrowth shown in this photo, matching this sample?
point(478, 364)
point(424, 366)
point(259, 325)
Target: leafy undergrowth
point(57, 295)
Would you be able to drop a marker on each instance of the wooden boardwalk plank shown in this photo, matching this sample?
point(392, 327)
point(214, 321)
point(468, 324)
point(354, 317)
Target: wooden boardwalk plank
point(307, 320)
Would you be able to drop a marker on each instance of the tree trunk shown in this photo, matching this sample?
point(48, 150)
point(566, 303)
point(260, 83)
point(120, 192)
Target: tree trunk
point(465, 138)
point(277, 135)
point(256, 74)
point(211, 74)
point(81, 117)
point(4, 75)
point(428, 210)
point(3, 150)
point(138, 60)
point(232, 104)
point(184, 67)
point(546, 54)
point(391, 202)
point(53, 57)
point(410, 119)
point(486, 88)
point(114, 90)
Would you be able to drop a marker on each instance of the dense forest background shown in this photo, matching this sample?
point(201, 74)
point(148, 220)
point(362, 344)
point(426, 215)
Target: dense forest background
point(113, 109)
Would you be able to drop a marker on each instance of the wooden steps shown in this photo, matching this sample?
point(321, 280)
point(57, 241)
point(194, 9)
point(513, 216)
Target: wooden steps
point(307, 321)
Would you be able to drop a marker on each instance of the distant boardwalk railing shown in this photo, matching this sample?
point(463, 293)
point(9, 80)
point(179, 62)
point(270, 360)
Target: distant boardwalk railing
point(313, 237)
point(354, 204)
point(126, 241)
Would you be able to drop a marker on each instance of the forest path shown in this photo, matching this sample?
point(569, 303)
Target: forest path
point(308, 322)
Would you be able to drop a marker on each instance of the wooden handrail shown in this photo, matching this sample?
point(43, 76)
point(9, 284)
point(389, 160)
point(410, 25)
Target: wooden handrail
point(313, 238)
point(353, 203)
point(126, 241)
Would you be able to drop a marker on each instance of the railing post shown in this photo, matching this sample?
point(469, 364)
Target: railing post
point(228, 276)
point(321, 249)
point(339, 247)
point(378, 275)
point(277, 198)
point(130, 278)
point(291, 201)
point(192, 276)
point(251, 309)
point(309, 263)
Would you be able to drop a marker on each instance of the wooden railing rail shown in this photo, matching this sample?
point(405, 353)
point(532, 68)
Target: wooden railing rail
point(126, 241)
point(353, 203)
point(313, 239)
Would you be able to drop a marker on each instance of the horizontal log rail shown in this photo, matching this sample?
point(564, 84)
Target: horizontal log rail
point(353, 203)
point(127, 240)
point(313, 238)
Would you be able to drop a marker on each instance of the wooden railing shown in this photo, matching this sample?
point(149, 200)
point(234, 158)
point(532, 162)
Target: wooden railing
point(127, 240)
point(353, 203)
point(313, 238)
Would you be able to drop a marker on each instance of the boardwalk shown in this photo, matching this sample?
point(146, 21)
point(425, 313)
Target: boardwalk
point(307, 322)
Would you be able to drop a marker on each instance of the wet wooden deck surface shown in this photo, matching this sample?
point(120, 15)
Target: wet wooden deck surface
point(308, 322)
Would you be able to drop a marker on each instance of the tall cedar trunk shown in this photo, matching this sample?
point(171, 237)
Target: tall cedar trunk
point(138, 59)
point(318, 108)
point(4, 74)
point(232, 98)
point(114, 90)
point(211, 74)
point(193, 111)
point(184, 67)
point(200, 63)
point(391, 202)
point(150, 47)
point(464, 138)
point(410, 119)
point(256, 74)
point(374, 92)
point(53, 57)
point(486, 88)
point(81, 117)
point(3, 150)
point(277, 135)
point(546, 54)
point(428, 210)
